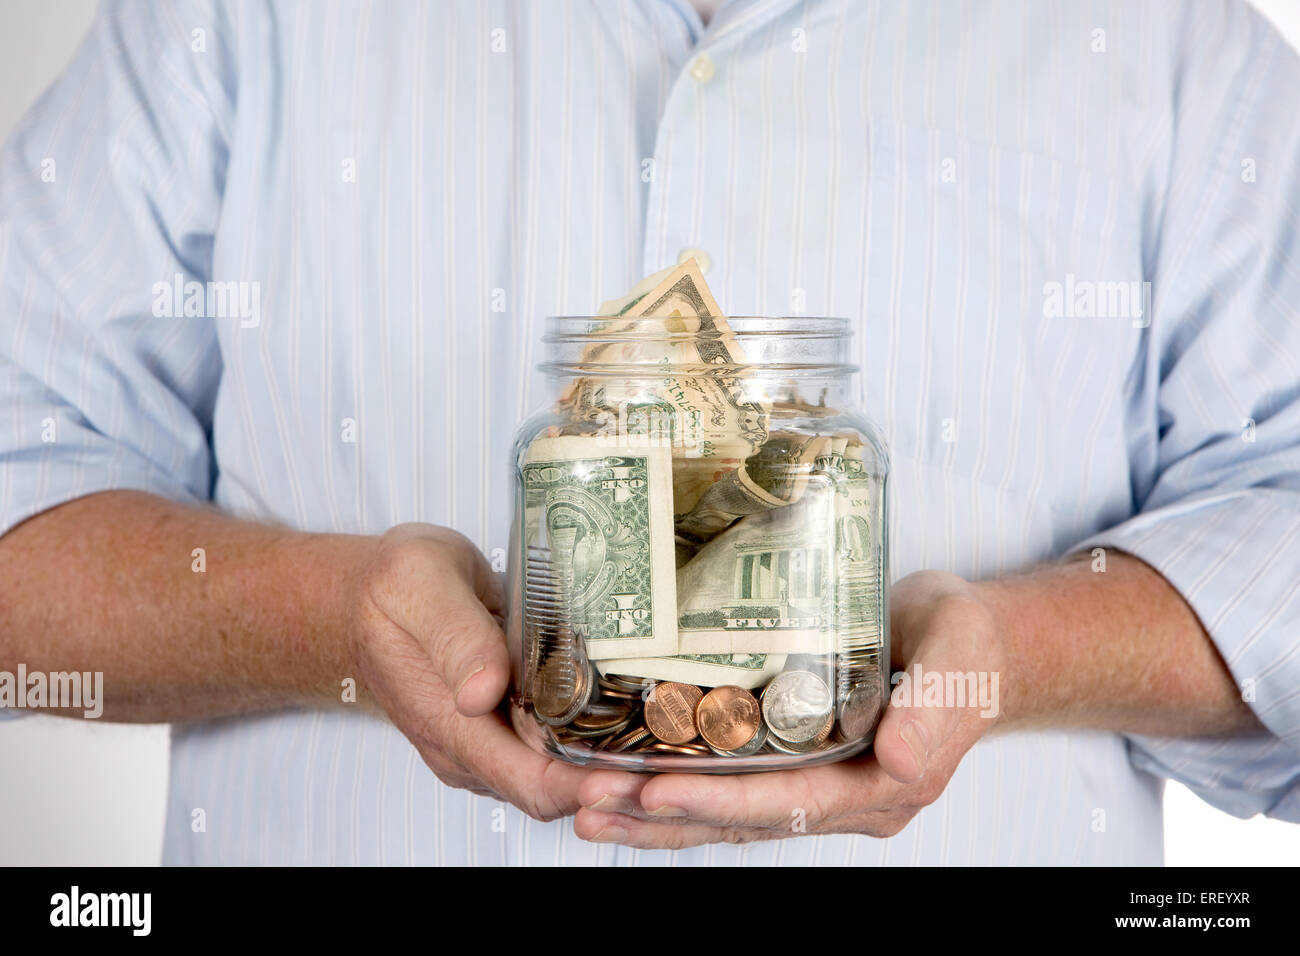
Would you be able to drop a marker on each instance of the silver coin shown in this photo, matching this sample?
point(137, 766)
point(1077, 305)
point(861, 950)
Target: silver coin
point(806, 747)
point(797, 706)
point(859, 711)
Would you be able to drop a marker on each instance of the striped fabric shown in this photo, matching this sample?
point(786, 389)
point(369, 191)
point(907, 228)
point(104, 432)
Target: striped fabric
point(984, 187)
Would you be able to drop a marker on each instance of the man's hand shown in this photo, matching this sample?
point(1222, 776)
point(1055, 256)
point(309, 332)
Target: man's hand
point(275, 618)
point(1149, 668)
point(939, 622)
point(426, 637)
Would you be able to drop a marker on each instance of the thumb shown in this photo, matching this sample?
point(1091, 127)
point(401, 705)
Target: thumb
point(432, 587)
point(920, 718)
point(470, 653)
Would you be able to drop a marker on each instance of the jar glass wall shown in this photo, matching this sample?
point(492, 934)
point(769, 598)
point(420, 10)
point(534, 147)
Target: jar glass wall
point(698, 563)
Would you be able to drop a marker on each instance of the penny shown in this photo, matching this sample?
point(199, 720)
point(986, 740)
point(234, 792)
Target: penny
point(688, 750)
point(586, 725)
point(562, 690)
point(745, 750)
point(728, 718)
point(797, 707)
point(670, 711)
point(632, 737)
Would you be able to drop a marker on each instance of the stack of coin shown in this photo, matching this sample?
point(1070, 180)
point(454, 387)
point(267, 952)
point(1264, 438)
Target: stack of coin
point(794, 713)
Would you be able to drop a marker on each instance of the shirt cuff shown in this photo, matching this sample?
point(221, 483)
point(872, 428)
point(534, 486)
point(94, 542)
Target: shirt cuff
point(1233, 557)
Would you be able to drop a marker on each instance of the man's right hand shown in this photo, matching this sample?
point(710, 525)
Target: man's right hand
point(425, 633)
point(275, 618)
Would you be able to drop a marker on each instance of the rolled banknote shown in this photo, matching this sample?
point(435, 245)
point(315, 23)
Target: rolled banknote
point(775, 476)
point(702, 670)
point(703, 408)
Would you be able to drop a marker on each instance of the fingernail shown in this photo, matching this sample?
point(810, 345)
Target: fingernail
point(667, 811)
point(476, 666)
point(610, 835)
point(608, 803)
point(917, 741)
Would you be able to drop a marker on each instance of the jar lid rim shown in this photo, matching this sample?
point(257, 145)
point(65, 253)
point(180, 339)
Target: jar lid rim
point(589, 328)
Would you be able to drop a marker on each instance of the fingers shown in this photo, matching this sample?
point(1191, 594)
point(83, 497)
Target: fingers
point(629, 831)
point(434, 586)
point(544, 788)
point(674, 811)
point(784, 802)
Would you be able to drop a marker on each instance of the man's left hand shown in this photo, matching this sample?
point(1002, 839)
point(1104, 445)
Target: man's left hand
point(938, 621)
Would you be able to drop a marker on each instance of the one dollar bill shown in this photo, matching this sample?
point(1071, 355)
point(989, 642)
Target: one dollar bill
point(602, 514)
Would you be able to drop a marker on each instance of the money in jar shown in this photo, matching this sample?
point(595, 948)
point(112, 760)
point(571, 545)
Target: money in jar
point(698, 568)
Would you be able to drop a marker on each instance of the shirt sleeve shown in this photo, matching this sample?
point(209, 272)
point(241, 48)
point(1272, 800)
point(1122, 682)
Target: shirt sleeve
point(110, 188)
point(1215, 411)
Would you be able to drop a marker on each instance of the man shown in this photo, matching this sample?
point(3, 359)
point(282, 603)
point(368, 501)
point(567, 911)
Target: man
point(1067, 238)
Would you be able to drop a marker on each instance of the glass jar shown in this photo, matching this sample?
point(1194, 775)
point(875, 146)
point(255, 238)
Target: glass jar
point(698, 562)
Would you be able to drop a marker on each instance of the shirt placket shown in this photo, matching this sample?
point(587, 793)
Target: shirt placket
point(671, 232)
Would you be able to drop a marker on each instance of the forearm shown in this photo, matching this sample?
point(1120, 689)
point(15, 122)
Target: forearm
point(1116, 650)
point(109, 583)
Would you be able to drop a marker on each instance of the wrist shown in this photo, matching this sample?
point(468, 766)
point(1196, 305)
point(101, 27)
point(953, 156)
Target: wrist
point(318, 579)
point(1006, 651)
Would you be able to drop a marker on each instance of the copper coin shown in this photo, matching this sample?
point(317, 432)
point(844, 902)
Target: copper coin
point(636, 735)
point(563, 688)
point(670, 711)
point(688, 750)
point(728, 718)
point(586, 726)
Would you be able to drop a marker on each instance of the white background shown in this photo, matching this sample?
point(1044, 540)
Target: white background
point(84, 792)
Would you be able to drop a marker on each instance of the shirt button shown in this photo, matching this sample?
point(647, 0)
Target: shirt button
point(699, 255)
point(702, 68)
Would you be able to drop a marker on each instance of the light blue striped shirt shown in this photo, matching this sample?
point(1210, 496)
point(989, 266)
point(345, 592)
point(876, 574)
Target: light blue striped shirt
point(401, 193)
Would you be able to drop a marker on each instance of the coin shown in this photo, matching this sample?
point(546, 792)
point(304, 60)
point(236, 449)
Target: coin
point(797, 707)
point(670, 711)
point(631, 685)
point(590, 725)
point(807, 747)
point(754, 746)
point(632, 737)
point(859, 711)
point(562, 690)
point(728, 718)
point(689, 750)
point(608, 708)
point(607, 693)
